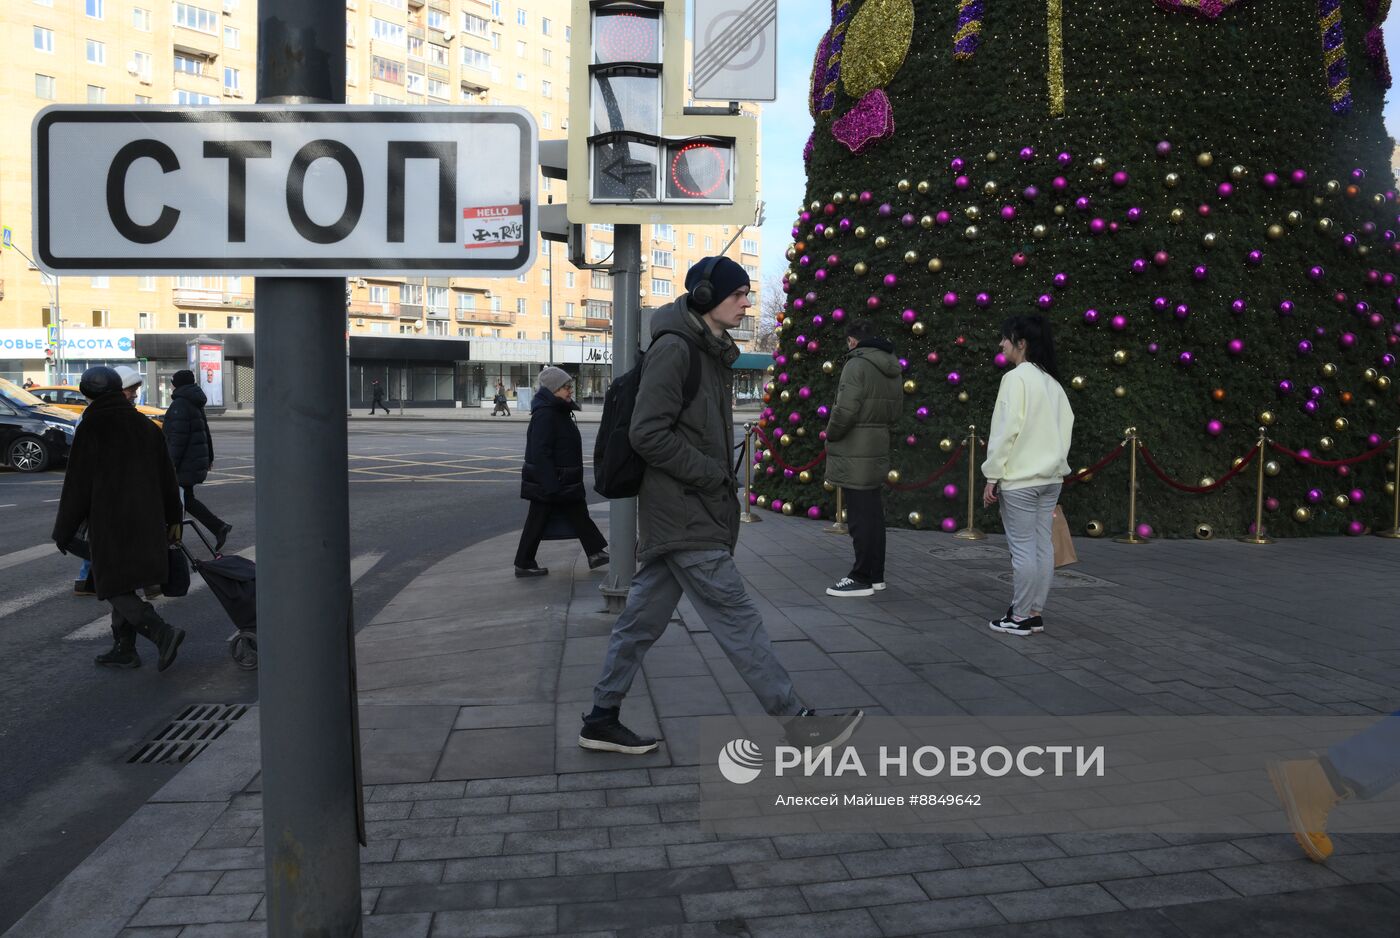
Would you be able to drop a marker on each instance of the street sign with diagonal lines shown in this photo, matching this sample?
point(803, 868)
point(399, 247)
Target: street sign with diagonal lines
point(736, 50)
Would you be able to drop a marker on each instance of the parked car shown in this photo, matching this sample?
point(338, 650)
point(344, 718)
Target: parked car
point(71, 399)
point(33, 434)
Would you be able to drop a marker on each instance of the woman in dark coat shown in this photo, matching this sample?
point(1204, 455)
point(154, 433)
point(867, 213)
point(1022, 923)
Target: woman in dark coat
point(121, 484)
point(552, 479)
point(192, 450)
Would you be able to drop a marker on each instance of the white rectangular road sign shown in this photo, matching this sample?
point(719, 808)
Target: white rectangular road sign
point(320, 190)
point(736, 50)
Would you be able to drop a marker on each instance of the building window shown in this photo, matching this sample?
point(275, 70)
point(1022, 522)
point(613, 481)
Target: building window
point(437, 300)
point(96, 94)
point(148, 284)
point(475, 58)
point(568, 34)
point(197, 18)
point(378, 293)
point(141, 19)
point(664, 233)
point(520, 79)
point(544, 276)
point(496, 42)
point(44, 86)
point(663, 259)
point(101, 318)
point(99, 283)
point(416, 83)
point(749, 246)
point(387, 70)
point(602, 280)
point(234, 322)
point(520, 307)
point(495, 304)
point(709, 244)
point(193, 99)
point(496, 8)
point(392, 33)
point(544, 25)
point(94, 8)
point(43, 39)
point(189, 64)
point(547, 89)
point(439, 89)
point(547, 57)
point(191, 321)
point(143, 63)
point(230, 80)
point(599, 309)
point(752, 271)
point(416, 45)
point(466, 302)
point(475, 25)
point(437, 327)
point(569, 279)
point(466, 332)
point(231, 37)
point(690, 239)
point(143, 320)
point(520, 51)
point(661, 287)
point(520, 18)
point(547, 308)
point(437, 19)
point(384, 99)
point(96, 52)
point(411, 294)
point(142, 99)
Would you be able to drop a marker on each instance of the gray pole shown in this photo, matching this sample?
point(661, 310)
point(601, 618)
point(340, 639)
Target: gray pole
point(627, 318)
point(311, 792)
point(549, 246)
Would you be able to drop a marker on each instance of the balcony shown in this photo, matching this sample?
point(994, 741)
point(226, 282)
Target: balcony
point(741, 335)
point(410, 311)
point(375, 310)
point(211, 299)
point(490, 316)
point(579, 324)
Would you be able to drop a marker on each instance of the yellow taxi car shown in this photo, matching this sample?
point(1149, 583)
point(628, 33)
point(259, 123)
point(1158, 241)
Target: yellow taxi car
point(69, 398)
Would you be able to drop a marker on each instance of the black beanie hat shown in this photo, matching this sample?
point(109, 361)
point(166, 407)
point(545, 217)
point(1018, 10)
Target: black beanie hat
point(727, 277)
point(182, 377)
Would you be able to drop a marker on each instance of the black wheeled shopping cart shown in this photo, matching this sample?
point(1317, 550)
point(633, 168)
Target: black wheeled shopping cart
point(234, 581)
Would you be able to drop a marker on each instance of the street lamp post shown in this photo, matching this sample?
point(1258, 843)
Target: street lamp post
point(53, 284)
point(549, 246)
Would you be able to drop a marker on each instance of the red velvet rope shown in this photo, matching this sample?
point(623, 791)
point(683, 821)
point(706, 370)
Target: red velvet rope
point(1245, 460)
point(1330, 463)
point(1083, 474)
point(778, 459)
point(925, 483)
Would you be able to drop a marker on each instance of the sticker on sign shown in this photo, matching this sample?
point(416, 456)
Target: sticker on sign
point(324, 190)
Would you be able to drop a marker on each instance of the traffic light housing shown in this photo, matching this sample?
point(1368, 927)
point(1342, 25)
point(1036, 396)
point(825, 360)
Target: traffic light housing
point(642, 158)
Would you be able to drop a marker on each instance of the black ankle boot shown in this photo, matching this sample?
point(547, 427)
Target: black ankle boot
point(167, 637)
point(122, 655)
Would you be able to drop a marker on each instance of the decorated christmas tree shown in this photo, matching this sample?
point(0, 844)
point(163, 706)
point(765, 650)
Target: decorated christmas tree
point(1196, 193)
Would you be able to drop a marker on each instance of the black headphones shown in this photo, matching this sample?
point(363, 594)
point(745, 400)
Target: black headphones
point(703, 293)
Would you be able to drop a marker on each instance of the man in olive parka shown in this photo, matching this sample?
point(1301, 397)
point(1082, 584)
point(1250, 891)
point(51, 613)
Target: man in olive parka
point(868, 402)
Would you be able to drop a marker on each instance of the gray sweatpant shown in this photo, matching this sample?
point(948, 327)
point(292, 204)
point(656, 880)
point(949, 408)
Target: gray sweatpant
point(1027, 514)
point(712, 581)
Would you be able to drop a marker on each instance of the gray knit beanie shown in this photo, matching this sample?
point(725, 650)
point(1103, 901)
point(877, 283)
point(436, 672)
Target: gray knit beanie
point(552, 378)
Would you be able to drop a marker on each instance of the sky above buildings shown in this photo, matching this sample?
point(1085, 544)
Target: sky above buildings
point(786, 123)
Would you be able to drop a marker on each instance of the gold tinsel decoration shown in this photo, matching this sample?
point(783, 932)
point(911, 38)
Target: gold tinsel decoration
point(876, 43)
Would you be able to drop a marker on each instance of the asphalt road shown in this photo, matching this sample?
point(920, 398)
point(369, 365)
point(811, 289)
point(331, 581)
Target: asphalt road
point(419, 492)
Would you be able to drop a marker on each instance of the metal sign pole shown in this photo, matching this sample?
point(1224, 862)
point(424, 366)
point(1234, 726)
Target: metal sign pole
point(627, 320)
point(311, 793)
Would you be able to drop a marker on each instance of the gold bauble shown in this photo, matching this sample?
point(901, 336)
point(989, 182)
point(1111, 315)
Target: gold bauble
point(804, 476)
point(989, 188)
point(1266, 417)
point(1170, 180)
point(785, 439)
point(1078, 382)
point(1204, 532)
point(767, 455)
point(1328, 370)
point(935, 265)
point(923, 187)
point(1332, 187)
point(911, 257)
point(1302, 515)
point(946, 445)
point(1378, 199)
point(991, 156)
point(1370, 374)
point(1177, 216)
point(787, 508)
point(1120, 391)
point(827, 486)
point(1120, 356)
point(971, 233)
point(881, 243)
point(915, 518)
point(1094, 529)
point(1383, 383)
point(829, 234)
point(1340, 424)
point(796, 356)
point(1039, 232)
point(828, 367)
point(1318, 201)
point(1205, 159)
point(972, 212)
point(1341, 500)
point(1324, 225)
point(1237, 462)
point(861, 231)
point(1238, 172)
point(839, 198)
point(1272, 467)
point(1098, 164)
point(1390, 488)
point(801, 431)
point(1294, 218)
point(791, 254)
point(904, 185)
point(785, 396)
point(1209, 238)
point(816, 206)
point(762, 501)
point(1326, 443)
point(917, 328)
point(1060, 210)
point(1274, 231)
point(926, 222)
point(861, 268)
point(841, 516)
point(910, 386)
point(1363, 250)
point(1085, 476)
point(892, 476)
point(1206, 481)
point(963, 397)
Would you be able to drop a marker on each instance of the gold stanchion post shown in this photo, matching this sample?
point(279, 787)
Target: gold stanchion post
point(1131, 537)
point(1394, 530)
point(970, 533)
point(747, 516)
point(838, 524)
point(1258, 536)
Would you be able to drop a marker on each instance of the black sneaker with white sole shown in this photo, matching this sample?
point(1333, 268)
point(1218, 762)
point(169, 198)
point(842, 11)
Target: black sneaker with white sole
point(1038, 627)
point(612, 736)
point(808, 730)
point(849, 587)
point(878, 586)
point(1012, 626)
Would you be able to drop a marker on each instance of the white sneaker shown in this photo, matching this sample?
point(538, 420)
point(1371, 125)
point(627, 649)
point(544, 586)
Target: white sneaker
point(878, 587)
point(849, 587)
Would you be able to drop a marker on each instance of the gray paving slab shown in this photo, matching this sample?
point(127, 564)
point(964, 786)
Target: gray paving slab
point(496, 923)
point(194, 910)
point(977, 881)
point(760, 873)
point(629, 913)
point(667, 882)
point(1149, 892)
point(437, 897)
point(523, 750)
point(1054, 902)
point(930, 916)
point(862, 893)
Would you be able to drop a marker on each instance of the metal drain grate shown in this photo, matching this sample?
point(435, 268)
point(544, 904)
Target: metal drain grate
point(1064, 579)
point(187, 735)
point(967, 553)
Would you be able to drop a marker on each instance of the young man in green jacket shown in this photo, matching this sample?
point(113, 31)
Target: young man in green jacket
point(868, 401)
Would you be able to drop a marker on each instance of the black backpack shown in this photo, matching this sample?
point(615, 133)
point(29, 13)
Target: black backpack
point(617, 467)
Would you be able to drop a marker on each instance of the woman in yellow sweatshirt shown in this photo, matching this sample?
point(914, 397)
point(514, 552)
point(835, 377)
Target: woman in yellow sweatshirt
point(1027, 460)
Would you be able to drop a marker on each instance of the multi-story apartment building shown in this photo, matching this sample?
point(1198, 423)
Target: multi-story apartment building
point(436, 340)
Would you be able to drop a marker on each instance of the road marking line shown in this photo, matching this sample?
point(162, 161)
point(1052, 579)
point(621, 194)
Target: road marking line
point(10, 505)
point(102, 628)
point(48, 500)
point(26, 555)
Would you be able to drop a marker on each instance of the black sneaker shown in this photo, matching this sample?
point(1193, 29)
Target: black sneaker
point(1038, 627)
point(597, 560)
point(118, 657)
point(879, 586)
point(169, 647)
point(849, 587)
point(531, 571)
point(1012, 626)
point(807, 730)
point(223, 534)
point(612, 736)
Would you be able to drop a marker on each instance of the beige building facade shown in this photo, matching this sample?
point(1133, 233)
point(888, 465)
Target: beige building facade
point(398, 52)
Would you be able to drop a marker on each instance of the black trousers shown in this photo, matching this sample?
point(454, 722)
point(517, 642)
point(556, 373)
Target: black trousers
point(377, 402)
point(576, 512)
point(201, 512)
point(131, 616)
point(865, 515)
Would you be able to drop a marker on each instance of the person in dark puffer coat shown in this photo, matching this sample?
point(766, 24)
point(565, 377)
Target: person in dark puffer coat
point(552, 478)
point(192, 450)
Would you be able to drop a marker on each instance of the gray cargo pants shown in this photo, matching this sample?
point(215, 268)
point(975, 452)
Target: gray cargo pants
point(711, 580)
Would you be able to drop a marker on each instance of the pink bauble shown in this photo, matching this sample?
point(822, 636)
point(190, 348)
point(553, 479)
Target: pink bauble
point(999, 360)
point(1355, 529)
point(1098, 226)
point(1299, 176)
point(1225, 190)
point(1314, 496)
point(1059, 184)
point(1254, 258)
point(1135, 214)
point(867, 197)
point(783, 377)
point(823, 411)
point(799, 303)
point(933, 358)
point(804, 392)
point(1083, 203)
point(1270, 180)
point(1285, 308)
point(954, 378)
point(1238, 306)
point(820, 275)
point(1164, 147)
point(1030, 193)
point(1346, 340)
point(921, 414)
point(1200, 272)
point(789, 474)
point(1120, 179)
point(813, 345)
point(962, 182)
point(1316, 272)
point(771, 470)
point(1186, 359)
point(753, 499)
point(950, 491)
point(1271, 504)
point(1235, 346)
point(1064, 158)
point(1215, 427)
point(890, 280)
point(780, 359)
point(885, 210)
point(1374, 440)
point(815, 512)
point(1119, 323)
point(1019, 260)
point(844, 225)
point(983, 300)
point(838, 314)
point(1091, 316)
point(818, 321)
point(950, 299)
point(1144, 530)
point(911, 440)
point(907, 219)
point(822, 436)
point(1344, 471)
point(1027, 154)
point(1139, 265)
point(949, 524)
point(957, 164)
point(1182, 311)
point(1008, 213)
point(1357, 496)
point(1045, 301)
point(776, 505)
point(943, 218)
point(1161, 258)
point(872, 302)
point(909, 315)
